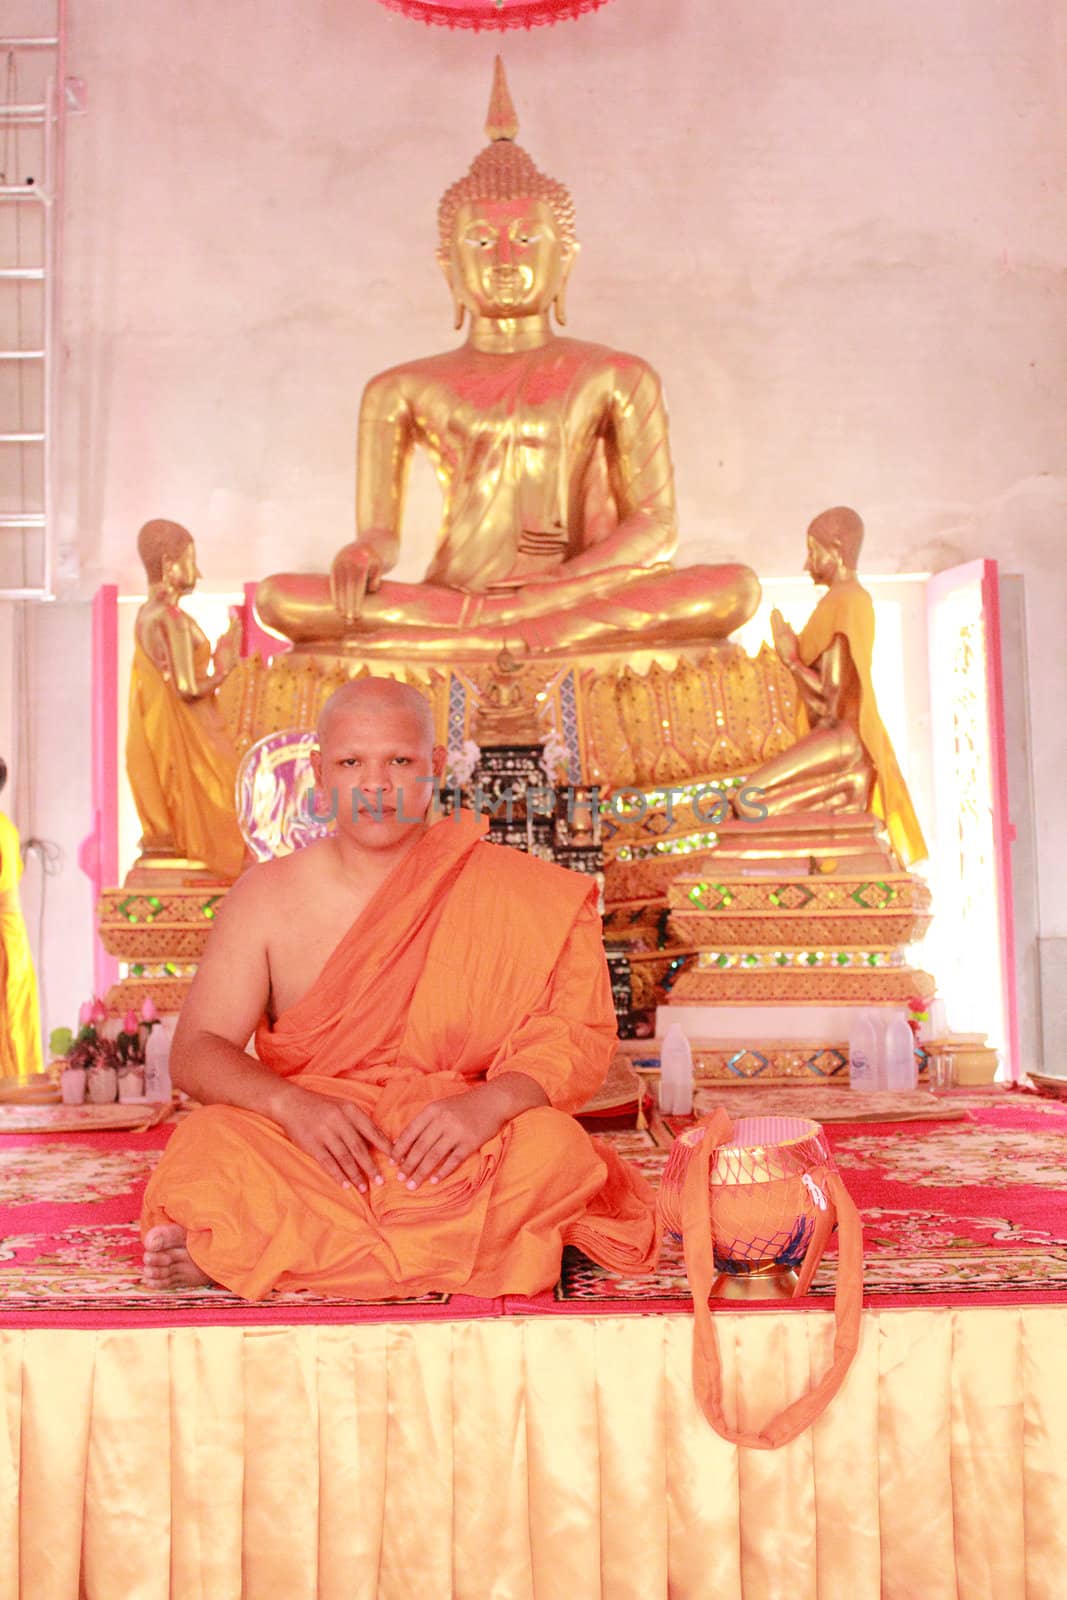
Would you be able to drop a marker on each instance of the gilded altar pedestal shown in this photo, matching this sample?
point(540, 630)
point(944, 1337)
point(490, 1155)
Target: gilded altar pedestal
point(157, 929)
point(836, 937)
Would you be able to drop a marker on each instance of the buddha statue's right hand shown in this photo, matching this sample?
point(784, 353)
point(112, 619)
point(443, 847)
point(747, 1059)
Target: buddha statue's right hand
point(356, 571)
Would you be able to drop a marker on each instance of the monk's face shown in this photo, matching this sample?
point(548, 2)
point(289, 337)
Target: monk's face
point(507, 257)
point(373, 759)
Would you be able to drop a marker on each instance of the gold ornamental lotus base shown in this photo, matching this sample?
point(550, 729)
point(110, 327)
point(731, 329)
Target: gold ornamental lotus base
point(645, 717)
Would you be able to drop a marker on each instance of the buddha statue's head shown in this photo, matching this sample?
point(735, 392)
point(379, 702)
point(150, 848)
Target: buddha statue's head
point(835, 539)
point(507, 241)
point(169, 557)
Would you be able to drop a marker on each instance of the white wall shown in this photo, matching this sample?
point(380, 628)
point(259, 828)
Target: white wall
point(837, 229)
point(54, 813)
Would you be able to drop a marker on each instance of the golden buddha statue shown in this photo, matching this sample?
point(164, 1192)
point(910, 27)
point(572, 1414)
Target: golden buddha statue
point(842, 765)
point(507, 713)
point(552, 454)
point(180, 761)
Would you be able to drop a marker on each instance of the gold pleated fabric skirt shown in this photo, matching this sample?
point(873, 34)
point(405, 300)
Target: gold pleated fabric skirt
point(534, 1458)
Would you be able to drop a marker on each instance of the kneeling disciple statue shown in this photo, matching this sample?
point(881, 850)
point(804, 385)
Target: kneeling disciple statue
point(842, 764)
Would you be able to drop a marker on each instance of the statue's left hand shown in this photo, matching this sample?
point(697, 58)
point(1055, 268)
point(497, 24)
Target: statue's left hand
point(356, 572)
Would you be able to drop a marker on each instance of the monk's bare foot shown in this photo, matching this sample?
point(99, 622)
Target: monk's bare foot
point(167, 1263)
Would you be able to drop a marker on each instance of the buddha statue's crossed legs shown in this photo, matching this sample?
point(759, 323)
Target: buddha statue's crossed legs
point(662, 606)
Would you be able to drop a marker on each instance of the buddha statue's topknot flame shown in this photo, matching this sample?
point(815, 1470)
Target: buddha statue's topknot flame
point(504, 171)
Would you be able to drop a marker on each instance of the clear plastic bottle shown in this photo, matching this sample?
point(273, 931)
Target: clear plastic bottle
point(157, 1084)
point(864, 1054)
point(900, 1069)
point(675, 1073)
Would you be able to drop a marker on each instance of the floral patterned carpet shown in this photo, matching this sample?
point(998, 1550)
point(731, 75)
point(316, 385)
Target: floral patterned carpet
point(969, 1209)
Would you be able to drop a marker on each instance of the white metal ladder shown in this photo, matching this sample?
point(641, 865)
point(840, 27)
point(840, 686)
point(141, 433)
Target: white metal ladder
point(33, 108)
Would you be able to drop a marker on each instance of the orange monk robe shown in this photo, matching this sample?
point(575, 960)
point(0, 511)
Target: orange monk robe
point(182, 770)
point(471, 960)
point(20, 1027)
point(847, 609)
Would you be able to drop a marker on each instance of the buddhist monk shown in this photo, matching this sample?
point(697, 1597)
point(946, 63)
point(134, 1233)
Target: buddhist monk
point(428, 1009)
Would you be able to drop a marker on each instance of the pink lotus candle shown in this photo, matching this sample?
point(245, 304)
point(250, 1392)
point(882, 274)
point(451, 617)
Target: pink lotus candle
point(99, 1012)
point(130, 1022)
point(85, 1014)
point(148, 1011)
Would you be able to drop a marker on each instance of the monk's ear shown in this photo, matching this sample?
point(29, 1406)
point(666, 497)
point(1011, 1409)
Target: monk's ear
point(316, 766)
point(438, 760)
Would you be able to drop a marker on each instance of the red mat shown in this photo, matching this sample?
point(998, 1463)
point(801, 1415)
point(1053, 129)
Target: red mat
point(959, 1212)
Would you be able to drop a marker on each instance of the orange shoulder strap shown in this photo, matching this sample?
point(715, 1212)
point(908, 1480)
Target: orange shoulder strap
point(700, 1266)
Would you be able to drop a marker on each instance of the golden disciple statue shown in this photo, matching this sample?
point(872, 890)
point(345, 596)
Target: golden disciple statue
point(181, 764)
point(20, 1023)
point(842, 761)
point(552, 454)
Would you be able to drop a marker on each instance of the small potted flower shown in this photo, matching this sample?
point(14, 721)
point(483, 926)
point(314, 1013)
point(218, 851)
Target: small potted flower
point(78, 1051)
point(97, 1068)
point(102, 1087)
point(129, 1047)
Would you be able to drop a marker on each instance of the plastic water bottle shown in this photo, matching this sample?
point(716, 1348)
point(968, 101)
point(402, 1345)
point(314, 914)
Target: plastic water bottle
point(675, 1073)
point(157, 1084)
point(900, 1071)
point(863, 1054)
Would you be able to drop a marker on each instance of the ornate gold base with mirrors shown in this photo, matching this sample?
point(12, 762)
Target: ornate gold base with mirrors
point(551, 611)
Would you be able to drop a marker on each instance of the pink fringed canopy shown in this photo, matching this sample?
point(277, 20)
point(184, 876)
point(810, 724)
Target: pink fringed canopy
point(498, 14)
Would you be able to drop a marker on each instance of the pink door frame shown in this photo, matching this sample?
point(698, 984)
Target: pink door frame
point(986, 574)
point(98, 853)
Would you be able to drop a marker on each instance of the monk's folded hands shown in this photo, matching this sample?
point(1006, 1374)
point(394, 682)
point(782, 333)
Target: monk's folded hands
point(337, 1134)
point(443, 1134)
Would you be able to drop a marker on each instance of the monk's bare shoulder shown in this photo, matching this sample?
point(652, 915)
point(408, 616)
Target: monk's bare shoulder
point(272, 887)
point(263, 896)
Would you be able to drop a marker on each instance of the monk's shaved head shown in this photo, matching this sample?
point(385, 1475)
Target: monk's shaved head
point(379, 697)
point(841, 530)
